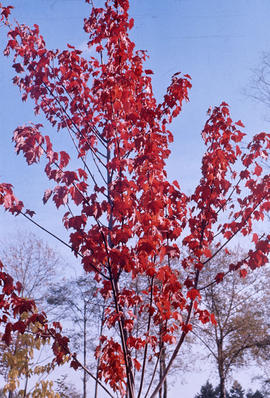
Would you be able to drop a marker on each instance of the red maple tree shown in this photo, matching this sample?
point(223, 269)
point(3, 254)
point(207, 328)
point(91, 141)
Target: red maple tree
point(127, 221)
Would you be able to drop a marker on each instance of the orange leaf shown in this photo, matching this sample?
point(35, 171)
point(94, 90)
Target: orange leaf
point(213, 319)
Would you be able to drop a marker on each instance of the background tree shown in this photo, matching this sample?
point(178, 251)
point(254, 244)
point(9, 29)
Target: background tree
point(236, 390)
point(77, 303)
point(241, 332)
point(25, 375)
point(123, 214)
point(259, 88)
point(30, 260)
point(256, 394)
point(207, 391)
point(4, 395)
point(66, 389)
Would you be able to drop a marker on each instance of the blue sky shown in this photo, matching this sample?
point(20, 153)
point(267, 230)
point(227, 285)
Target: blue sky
point(216, 42)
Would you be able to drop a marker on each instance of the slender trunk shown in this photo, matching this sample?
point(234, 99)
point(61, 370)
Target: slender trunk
point(222, 387)
point(160, 375)
point(162, 364)
point(160, 359)
point(165, 386)
point(84, 350)
point(162, 367)
point(25, 386)
point(222, 378)
point(178, 345)
point(163, 390)
point(98, 360)
point(10, 393)
point(115, 289)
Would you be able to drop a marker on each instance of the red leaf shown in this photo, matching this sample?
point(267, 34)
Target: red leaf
point(47, 195)
point(64, 159)
point(136, 364)
point(131, 23)
point(176, 184)
point(20, 326)
point(193, 294)
point(239, 123)
point(258, 170)
point(7, 334)
point(219, 277)
point(18, 67)
point(99, 48)
point(255, 238)
point(74, 364)
point(18, 286)
point(31, 213)
point(6, 11)
point(8, 286)
point(60, 196)
point(207, 252)
point(82, 174)
point(243, 273)
point(187, 328)
point(213, 320)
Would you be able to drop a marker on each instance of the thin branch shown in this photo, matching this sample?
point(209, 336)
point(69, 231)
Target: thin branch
point(93, 128)
point(231, 194)
point(206, 345)
point(120, 320)
point(75, 126)
point(147, 334)
point(84, 162)
point(100, 172)
point(177, 348)
point(63, 242)
point(237, 230)
point(93, 377)
point(152, 378)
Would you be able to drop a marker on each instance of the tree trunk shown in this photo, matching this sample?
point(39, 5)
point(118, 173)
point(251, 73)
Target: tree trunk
point(160, 360)
point(162, 365)
point(220, 361)
point(25, 386)
point(165, 387)
point(222, 379)
point(84, 350)
point(98, 360)
point(222, 387)
point(163, 390)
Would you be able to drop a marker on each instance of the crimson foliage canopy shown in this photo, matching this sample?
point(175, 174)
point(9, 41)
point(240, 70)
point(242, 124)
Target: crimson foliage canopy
point(142, 238)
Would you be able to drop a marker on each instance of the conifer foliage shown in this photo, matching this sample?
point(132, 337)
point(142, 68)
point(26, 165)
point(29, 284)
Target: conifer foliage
point(125, 218)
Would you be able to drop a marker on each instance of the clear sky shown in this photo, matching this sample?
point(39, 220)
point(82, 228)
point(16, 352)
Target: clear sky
point(216, 42)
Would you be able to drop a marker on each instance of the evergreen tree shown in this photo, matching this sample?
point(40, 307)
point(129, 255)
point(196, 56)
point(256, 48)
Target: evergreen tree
point(207, 391)
point(218, 394)
point(256, 394)
point(237, 391)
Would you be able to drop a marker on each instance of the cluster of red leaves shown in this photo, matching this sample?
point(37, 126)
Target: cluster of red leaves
point(123, 213)
point(19, 315)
